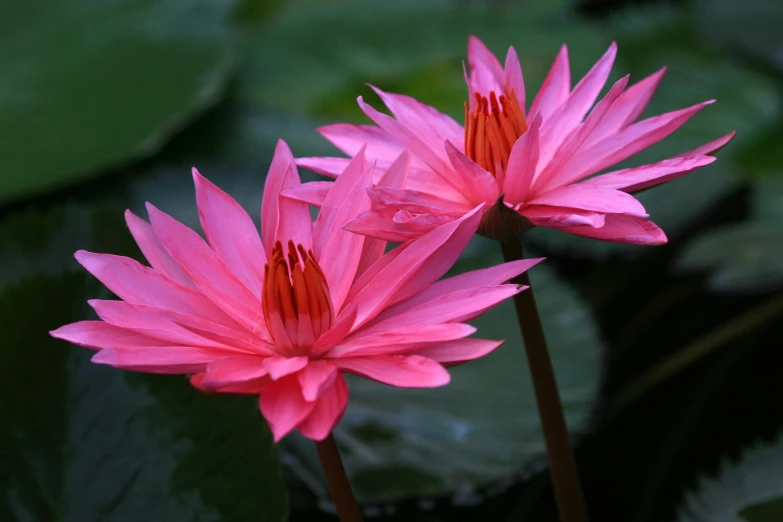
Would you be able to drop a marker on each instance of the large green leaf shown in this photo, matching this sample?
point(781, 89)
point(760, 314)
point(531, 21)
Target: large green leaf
point(749, 490)
point(752, 26)
point(87, 443)
point(92, 84)
point(484, 425)
point(649, 39)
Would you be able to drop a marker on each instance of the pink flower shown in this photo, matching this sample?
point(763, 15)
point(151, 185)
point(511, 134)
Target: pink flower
point(540, 161)
point(284, 315)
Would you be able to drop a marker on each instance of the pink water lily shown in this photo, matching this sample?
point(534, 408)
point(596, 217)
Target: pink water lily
point(283, 315)
point(541, 161)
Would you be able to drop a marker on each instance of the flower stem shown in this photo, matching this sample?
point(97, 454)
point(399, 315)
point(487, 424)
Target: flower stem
point(562, 466)
point(337, 480)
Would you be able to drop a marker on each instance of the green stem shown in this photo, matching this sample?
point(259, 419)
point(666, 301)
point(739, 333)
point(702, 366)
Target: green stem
point(562, 466)
point(337, 480)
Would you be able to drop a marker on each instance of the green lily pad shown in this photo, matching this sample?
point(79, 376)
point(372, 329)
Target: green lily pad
point(744, 257)
point(749, 490)
point(649, 39)
point(481, 427)
point(752, 27)
point(93, 84)
point(84, 443)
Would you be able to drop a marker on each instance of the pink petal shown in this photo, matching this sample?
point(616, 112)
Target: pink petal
point(626, 143)
point(453, 307)
point(328, 411)
point(421, 263)
point(645, 176)
point(589, 197)
point(427, 123)
point(393, 339)
point(522, 164)
point(283, 405)
point(337, 250)
point(711, 147)
point(252, 387)
point(394, 177)
point(153, 250)
point(136, 284)
point(208, 271)
point(350, 138)
point(481, 185)
point(231, 233)
point(557, 217)
point(313, 193)
point(148, 321)
point(326, 166)
point(99, 335)
point(556, 87)
point(486, 277)
point(514, 78)
point(380, 224)
point(404, 371)
point(234, 370)
point(172, 360)
point(278, 367)
point(418, 202)
point(316, 378)
point(623, 229)
point(284, 219)
point(480, 56)
point(629, 107)
point(456, 352)
point(573, 110)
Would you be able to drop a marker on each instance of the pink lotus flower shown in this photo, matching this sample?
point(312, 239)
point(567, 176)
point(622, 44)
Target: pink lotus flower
point(540, 161)
point(285, 316)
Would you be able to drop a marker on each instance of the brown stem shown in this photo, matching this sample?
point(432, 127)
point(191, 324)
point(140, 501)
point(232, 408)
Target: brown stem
point(562, 467)
point(337, 480)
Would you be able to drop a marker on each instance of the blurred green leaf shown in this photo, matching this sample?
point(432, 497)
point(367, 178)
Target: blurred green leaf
point(749, 490)
point(744, 256)
point(653, 37)
point(93, 84)
point(751, 26)
point(484, 425)
point(88, 443)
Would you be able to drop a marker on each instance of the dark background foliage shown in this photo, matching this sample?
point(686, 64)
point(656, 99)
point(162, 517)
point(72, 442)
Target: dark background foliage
point(667, 357)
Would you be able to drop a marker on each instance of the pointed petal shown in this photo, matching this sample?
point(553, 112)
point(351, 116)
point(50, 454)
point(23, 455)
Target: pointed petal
point(251, 387)
point(558, 217)
point(328, 411)
point(282, 218)
point(481, 185)
point(237, 369)
point(420, 264)
point(404, 371)
point(316, 378)
point(231, 233)
point(278, 367)
point(417, 202)
point(313, 193)
point(556, 87)
point(136, 284)
point(711, 147)
point(350, 138)
point(480, 55)
point(153, 250)
point(622, 229)
point(283, 406)
point(171, 360)
point(523, 164)
point(593, 198)
point(99, 335)
point(380, 224)
point(514, 79)
point(646, 176)
point(391, 340)
point(326, 166)
point(457, 352)
point(210, 273)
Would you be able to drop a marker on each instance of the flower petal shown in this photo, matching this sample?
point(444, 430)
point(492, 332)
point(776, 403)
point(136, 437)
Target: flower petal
point(231, 233)
point(282, 218)
point(278, 367)
point(328, 410)
point(514, 79)
point(99, 335)
point(418, 202)
point(558, 217)
point(283, 405)
point(237, 369)
point(481, 184)
point(523, 164)
point(404, 371)
point(316, 378)
point(313, 193)
point(153, 250)
point(589, 197)
point(556, 87)
point(486, 72)
point(393, 339)
point(456, 352)
point(170, 360)
point(380, 224)
point(622, 229)
point(646, 176)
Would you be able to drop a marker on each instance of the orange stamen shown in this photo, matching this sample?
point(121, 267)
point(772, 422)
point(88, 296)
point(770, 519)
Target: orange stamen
point(492, 129)
point(295, 298)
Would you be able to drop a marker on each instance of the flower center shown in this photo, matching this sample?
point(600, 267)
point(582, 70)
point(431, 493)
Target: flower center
point(492, 129)
point(296, 304)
